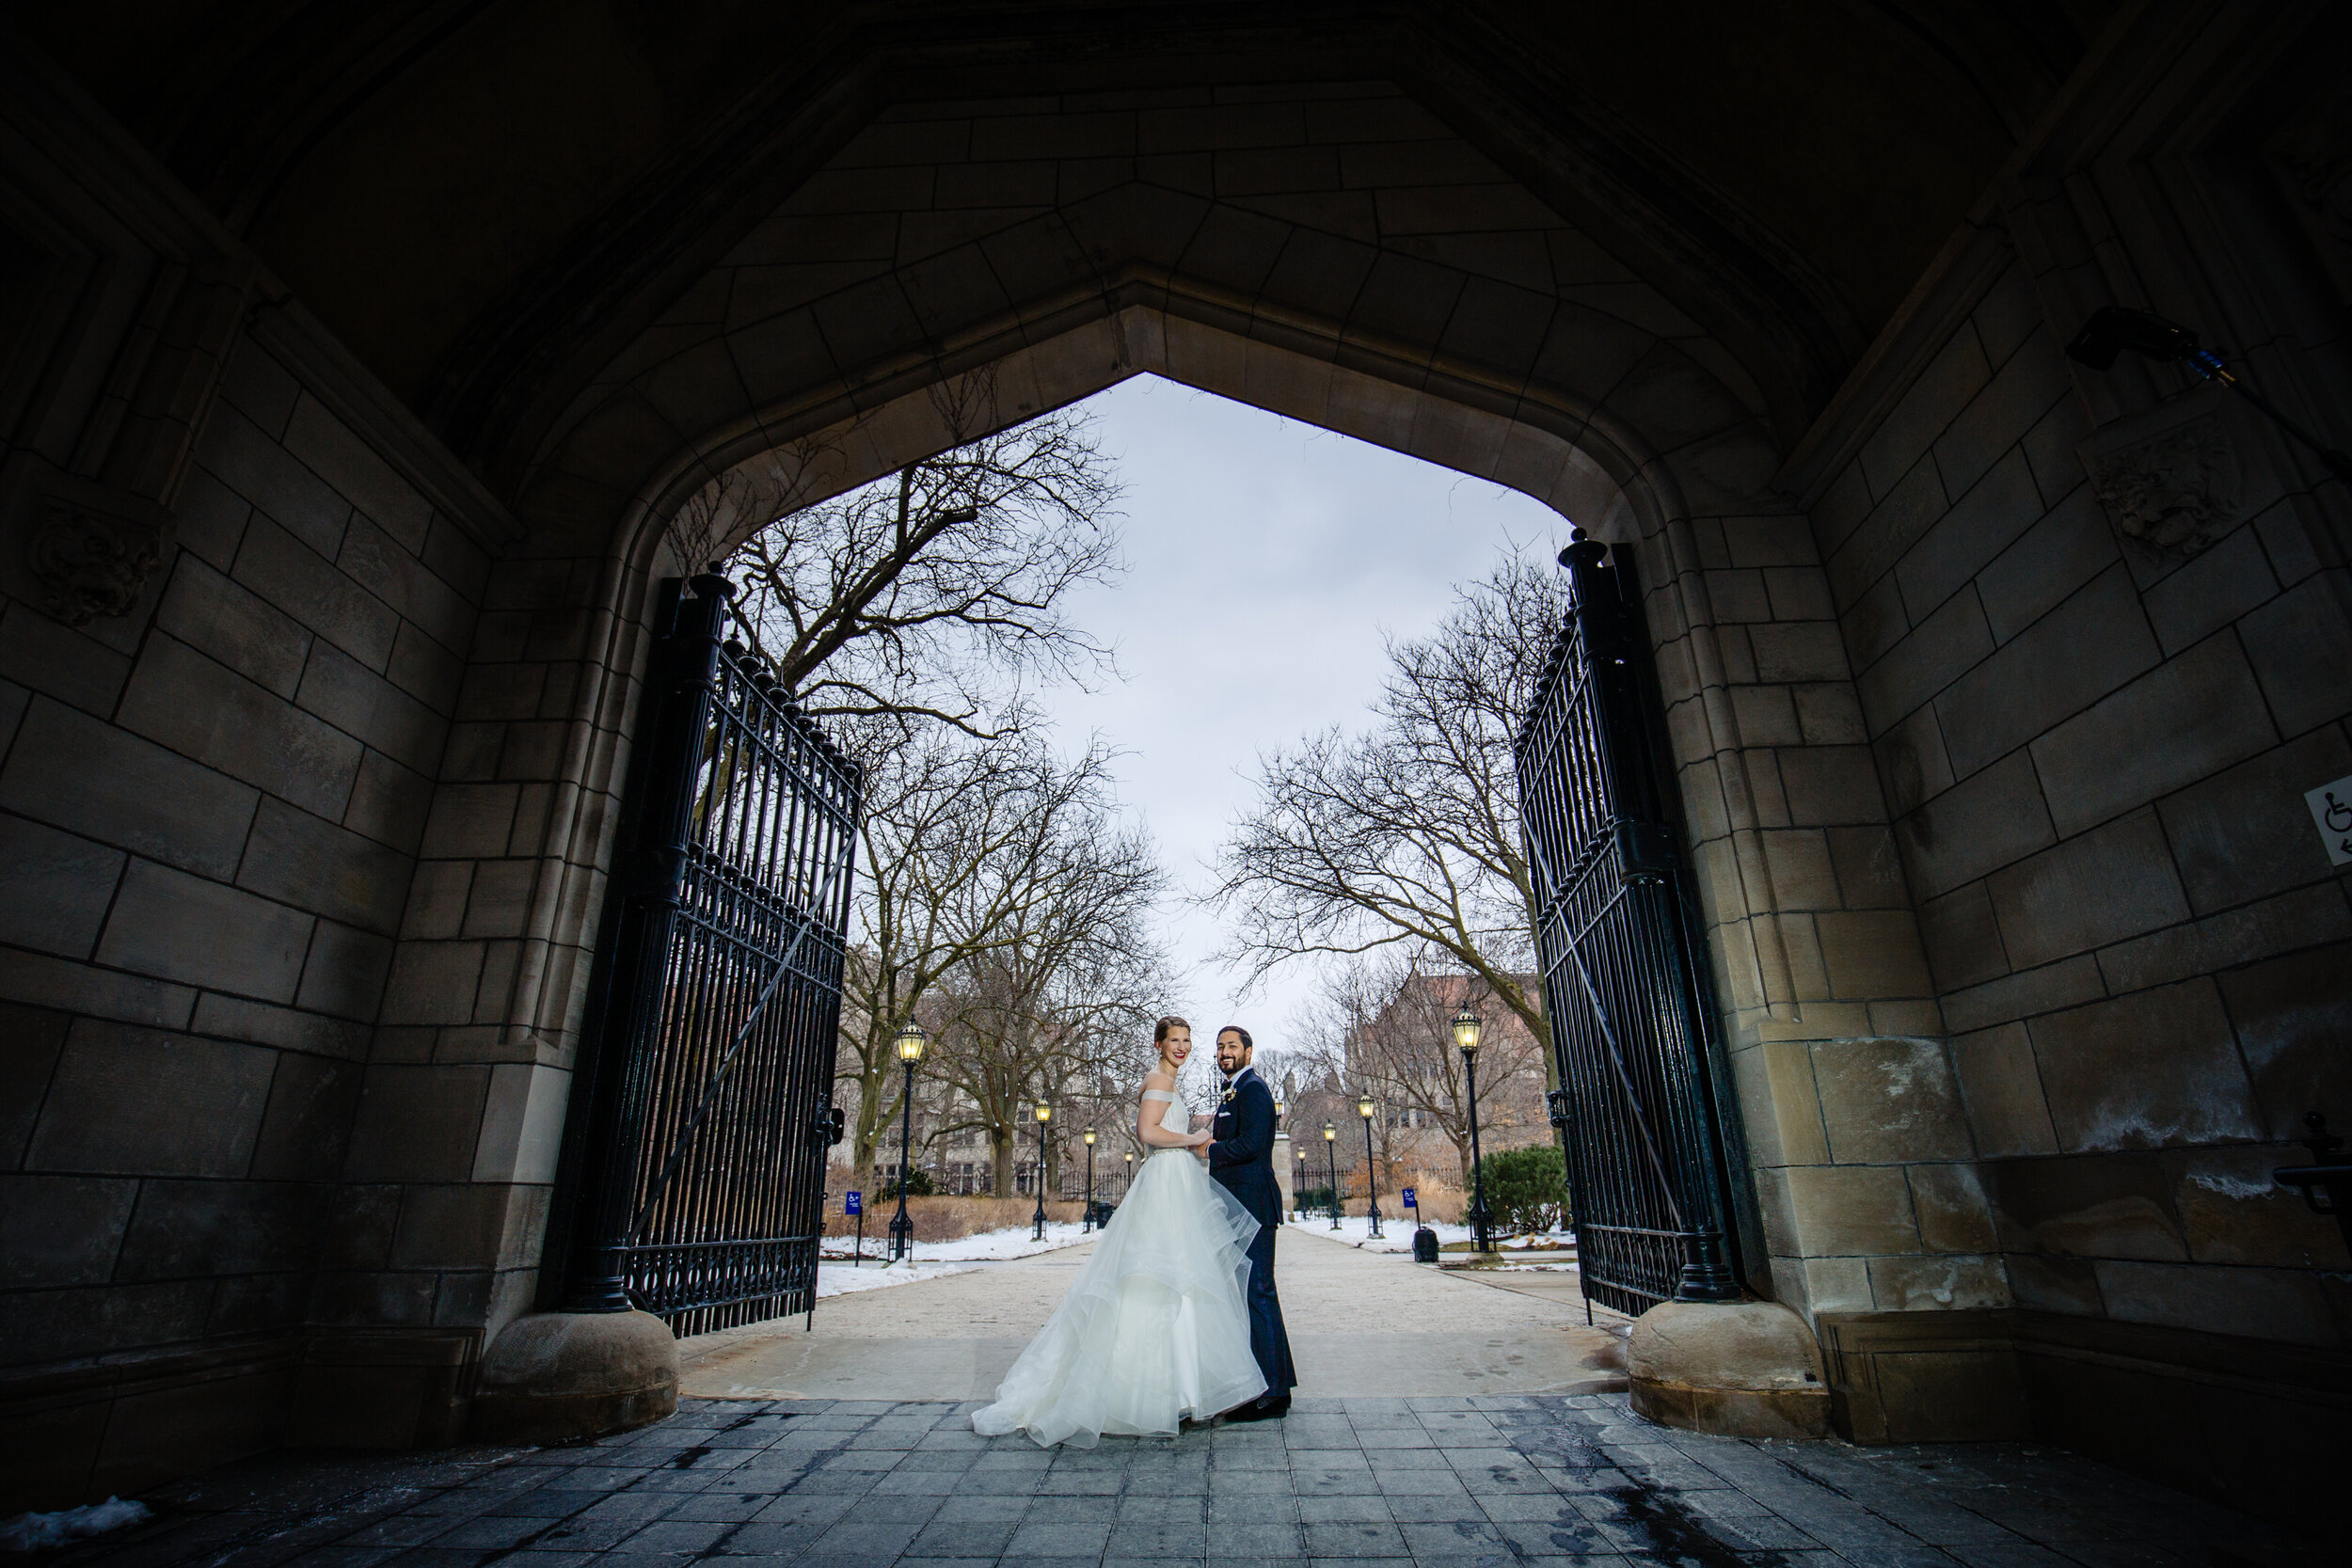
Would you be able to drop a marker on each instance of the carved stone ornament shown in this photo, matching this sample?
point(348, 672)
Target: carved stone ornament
point(2174, 480)
point(87, 562)
point(2174, 494)
point(79, 550)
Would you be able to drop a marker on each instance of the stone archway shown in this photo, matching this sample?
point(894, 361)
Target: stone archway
point(315, 686)
point(1587, 459)
point(1333, 253)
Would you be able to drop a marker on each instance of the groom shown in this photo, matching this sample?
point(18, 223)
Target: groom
point(1241, 1160)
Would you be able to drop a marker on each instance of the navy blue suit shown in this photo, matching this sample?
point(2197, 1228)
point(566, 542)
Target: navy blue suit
point(1241, 1160)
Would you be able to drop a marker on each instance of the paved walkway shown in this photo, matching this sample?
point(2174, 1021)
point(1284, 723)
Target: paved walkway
point(1491, 1481)
point(1423, 1434)
point(1361, 1324)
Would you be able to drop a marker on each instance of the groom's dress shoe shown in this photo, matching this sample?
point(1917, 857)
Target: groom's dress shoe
point(1260, 1410)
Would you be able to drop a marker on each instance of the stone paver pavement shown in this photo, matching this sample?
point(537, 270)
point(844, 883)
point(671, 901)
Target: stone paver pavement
point(1487, 1480)
point(1361, 1324)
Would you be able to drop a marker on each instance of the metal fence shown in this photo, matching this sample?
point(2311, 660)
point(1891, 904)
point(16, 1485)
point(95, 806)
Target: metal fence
point(697, 1175)
point(1641, 1102)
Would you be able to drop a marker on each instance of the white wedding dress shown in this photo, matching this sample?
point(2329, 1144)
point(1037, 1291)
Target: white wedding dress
point(1156, 1327)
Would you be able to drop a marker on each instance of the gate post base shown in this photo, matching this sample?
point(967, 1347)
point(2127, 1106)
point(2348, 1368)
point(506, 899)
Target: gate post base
point(555, 1377)
point(1744, 1369)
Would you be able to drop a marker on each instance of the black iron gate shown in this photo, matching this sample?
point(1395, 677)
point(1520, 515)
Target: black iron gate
point(697, 1175)
point(1641, 1101)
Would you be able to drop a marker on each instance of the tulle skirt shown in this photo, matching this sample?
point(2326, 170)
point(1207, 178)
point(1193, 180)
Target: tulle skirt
point(1154, 1328)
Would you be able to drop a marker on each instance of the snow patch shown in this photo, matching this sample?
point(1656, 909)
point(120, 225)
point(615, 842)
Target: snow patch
point(841, 1279)
point(988, 1247)
point(1355, 1231)
point(36, 1532)
point(2231, 1186)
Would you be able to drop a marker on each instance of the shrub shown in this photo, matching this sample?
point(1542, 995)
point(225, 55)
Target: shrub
point(918, 1185)
point(1527, 1189)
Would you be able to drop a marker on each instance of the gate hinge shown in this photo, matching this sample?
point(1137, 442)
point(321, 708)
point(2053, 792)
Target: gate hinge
point(1646, 850)
point(1556, 1106)
point(652, 873)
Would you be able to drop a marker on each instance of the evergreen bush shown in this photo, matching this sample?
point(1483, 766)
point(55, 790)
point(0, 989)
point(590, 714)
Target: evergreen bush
point(918, 1185)
point(1527, 1189)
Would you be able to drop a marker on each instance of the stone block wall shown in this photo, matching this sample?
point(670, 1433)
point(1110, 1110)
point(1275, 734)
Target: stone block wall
point(1829, 1019)
point(211, 812)
point(2095, 747)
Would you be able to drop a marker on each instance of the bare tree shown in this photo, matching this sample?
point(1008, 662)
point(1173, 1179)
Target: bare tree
point(1053, 1012)
point(1408, 835)
point(959, 839)
point(1382, 1025)
point(937, 595)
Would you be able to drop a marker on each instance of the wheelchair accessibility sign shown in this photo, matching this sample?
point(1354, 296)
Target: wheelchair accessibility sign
point(2332, 808)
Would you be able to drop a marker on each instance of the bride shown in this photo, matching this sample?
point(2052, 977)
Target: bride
point(1156, 1327)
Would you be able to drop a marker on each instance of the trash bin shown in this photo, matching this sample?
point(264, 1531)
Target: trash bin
point(1424, 1246)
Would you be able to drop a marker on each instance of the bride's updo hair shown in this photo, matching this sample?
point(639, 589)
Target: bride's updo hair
point(1159, 1030)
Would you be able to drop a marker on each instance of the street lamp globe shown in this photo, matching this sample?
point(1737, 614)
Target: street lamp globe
point(1090, 1137)
point(1044, 1112)
point(1364, 1106)
point(1329, 1132)
point(911, 1039)
point(1466, 1027)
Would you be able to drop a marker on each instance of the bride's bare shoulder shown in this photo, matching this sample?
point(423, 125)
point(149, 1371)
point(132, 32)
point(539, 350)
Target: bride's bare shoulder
point(1157, 1080)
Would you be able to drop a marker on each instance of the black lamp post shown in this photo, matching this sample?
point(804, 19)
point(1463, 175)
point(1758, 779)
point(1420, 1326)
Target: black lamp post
point(910, 1042)
point(1466, 1027)
point(1331, 1158)
point(1086, 1221)
point(1127, 1180)
point(1045, 1115)
point(1365, 1108)
point(1298, 1185)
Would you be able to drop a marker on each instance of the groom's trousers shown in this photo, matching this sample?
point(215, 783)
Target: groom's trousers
point(1268, 1340)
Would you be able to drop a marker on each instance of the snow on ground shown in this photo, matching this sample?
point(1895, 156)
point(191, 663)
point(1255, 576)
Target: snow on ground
point(1397, 1236)
point(34, 1532)
point(840, 1280)
point(988, 1247)
point(1013, 1242)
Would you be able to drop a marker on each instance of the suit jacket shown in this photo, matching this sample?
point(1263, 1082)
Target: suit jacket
point(1240, 1157)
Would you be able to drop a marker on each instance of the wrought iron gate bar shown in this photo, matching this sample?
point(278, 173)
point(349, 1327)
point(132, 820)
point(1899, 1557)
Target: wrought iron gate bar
point(1646, 1173)
point(702, 1177)
point(719, 1074)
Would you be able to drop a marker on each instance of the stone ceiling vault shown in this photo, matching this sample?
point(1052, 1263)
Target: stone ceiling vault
point(490, 200)
point(1373, 263)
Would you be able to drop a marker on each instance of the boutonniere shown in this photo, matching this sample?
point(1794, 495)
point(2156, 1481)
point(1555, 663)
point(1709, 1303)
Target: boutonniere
point(1225, 1099)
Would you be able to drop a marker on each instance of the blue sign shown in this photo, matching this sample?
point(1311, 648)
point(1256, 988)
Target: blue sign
point(854, 1203)
point(1408, 1199)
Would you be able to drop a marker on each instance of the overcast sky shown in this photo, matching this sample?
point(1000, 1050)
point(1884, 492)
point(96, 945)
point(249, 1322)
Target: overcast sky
point(1266, 559)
